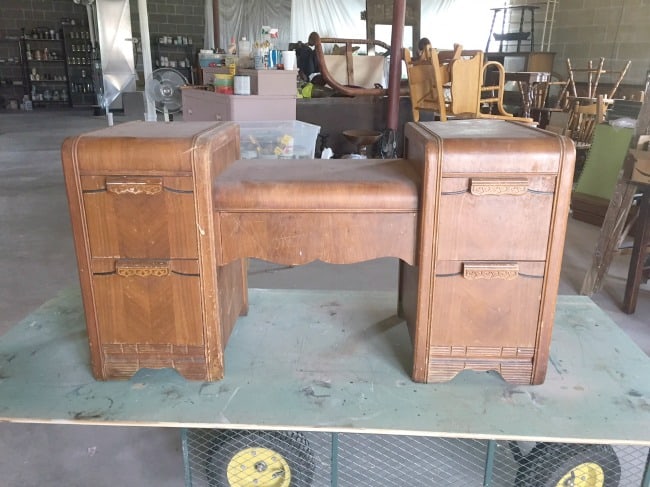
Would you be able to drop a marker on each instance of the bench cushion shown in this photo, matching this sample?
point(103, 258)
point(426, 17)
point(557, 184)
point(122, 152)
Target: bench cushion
point(318, 185)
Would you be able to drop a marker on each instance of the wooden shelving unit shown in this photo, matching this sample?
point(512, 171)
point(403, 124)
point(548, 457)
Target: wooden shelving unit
point(81, 58)
point(13, 85)
point(46, 68)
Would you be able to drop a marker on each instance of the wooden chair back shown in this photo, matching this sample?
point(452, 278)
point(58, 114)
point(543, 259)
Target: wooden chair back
point(465, 73)
point(592, 75)
point(554, 89)
point(426, 84)
point(453, 83)
point(584, 115)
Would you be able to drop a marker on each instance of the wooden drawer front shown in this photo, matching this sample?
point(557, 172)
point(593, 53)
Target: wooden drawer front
point(200, 105)
point(140, 217)
point(495, 218)
point(485, 307)
point(148, 302)
point(299, 238)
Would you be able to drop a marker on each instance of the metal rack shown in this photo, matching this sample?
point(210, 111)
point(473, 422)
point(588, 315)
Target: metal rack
point(13, 85)
point(46, 67)
point(323, 459)
point(81, 59)
point(513, 22)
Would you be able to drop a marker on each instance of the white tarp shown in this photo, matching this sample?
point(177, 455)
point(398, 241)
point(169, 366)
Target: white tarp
point(444, 22)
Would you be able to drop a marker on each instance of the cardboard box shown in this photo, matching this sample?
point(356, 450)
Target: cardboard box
point(271, 82)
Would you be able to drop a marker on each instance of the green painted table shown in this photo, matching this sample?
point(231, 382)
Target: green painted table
point(339, 362)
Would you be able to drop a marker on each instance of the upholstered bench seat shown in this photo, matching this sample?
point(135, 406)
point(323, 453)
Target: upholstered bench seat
point(336, 210)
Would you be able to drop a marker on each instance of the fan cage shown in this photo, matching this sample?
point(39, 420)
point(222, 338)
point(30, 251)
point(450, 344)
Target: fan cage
point(164, 89)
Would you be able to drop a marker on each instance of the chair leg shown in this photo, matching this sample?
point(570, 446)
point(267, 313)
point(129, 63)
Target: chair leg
point(610, 233)
point(639, 252)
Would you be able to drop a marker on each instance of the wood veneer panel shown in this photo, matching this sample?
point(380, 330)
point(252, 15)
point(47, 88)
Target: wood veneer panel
point(140, 197)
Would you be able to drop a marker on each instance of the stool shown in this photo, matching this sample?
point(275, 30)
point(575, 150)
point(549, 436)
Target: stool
point(363, 139)
point(478, 270)
point(296, 211)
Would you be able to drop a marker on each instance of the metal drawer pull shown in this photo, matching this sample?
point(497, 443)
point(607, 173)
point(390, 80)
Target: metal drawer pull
point(506, 272)
point(498, 187)
point(138, 186)
point(142, 268)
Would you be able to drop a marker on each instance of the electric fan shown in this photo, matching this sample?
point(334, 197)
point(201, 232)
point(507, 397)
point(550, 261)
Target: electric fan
point(164, 89)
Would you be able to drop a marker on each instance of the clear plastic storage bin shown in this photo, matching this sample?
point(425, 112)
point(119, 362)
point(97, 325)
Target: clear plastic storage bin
point(290, 139)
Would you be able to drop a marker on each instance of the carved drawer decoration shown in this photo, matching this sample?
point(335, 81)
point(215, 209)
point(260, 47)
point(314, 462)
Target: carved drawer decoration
point(490, 271)
point(496, 219)
point(134, 217)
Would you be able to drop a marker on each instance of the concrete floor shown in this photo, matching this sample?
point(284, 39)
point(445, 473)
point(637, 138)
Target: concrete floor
point(38, 261)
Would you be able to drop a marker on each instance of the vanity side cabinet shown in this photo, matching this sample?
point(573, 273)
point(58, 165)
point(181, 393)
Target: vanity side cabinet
point(141, 206)
point(490, 249)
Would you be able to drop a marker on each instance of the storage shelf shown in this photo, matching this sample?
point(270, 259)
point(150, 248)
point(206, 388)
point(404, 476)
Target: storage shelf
point(31, 39)
point(50, 102)
point(80, 57)
point(49, 81)
point(13, 84)
point(175, 46)
point(30, 61)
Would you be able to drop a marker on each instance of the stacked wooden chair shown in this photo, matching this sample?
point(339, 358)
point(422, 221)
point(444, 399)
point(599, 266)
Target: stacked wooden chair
point(588, 109)
point(456, 83)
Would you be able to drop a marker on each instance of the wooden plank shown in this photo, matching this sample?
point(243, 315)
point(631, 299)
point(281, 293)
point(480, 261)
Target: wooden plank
point(334, 361)
point(610, 237)
point(611, 233)
point(639, 254)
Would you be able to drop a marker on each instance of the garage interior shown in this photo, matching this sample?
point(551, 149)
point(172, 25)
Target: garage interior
point(39, 259)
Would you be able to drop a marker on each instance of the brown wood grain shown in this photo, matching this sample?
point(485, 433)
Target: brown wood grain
point(505, 227)
point(140, 198)
point(493, 321)
point(164, 222)
point(335, 238)
point(555, 250)
point(141, 225)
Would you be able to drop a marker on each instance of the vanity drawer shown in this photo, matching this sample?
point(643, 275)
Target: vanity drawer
point(486, 306)
point(148, 302)
point(140, 217)
point(495, 218)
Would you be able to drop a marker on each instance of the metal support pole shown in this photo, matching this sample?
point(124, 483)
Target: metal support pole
point(489, 463)
point(215, 20)
point(186, 458)
point(646, 475)
point(395, 71)
point(143, 14)
point(334, 461)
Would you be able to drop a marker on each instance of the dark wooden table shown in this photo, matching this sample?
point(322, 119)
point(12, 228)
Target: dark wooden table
point(527, 81)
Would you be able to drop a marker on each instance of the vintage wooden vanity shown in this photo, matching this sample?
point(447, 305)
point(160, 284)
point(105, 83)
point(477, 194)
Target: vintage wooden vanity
point(165, 215)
